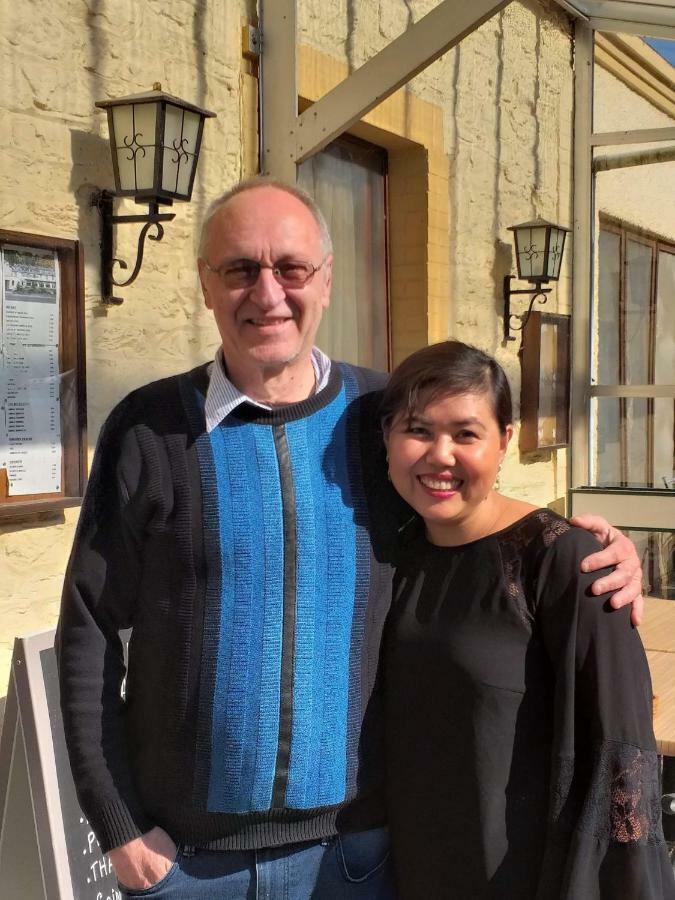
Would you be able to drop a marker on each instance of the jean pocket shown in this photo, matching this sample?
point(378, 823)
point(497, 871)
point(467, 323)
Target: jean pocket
point(155, 888)
point(363, 854)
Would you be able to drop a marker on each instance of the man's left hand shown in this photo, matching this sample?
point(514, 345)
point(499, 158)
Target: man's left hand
point(626, 579)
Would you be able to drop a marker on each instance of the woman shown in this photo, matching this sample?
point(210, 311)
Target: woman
point(521, 757)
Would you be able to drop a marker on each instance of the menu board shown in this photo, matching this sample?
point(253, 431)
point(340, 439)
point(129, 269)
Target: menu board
point(30, 414)
point(47, 848)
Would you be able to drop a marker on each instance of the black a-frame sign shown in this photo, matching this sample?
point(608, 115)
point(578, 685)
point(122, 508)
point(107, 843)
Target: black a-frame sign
point(47, 849)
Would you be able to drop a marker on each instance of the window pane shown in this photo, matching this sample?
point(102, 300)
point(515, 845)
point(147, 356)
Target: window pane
point(634, 325)
point(636, 423)
point(656, 550)
point(606, 442)
point(664, 367)
point(606, 323)
point(664, 428)
point(632, 442)
point(636, 314)
point(348, 182)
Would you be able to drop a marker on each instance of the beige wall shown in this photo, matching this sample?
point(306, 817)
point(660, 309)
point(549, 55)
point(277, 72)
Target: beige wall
point(505, 95)
point(494, 144)
point(53, 154)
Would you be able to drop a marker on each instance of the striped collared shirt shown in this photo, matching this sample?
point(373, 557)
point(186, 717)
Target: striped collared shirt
point(222, 397)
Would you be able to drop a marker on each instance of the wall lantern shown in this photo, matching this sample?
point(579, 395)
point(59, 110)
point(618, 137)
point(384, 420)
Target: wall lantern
point(539, 251)
point(155, 141)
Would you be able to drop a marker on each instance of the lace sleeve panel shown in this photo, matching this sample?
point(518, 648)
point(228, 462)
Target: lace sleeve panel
point(614, 798)
point(541, 527)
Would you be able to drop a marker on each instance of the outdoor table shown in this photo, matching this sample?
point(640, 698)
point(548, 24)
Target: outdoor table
point(658, 636)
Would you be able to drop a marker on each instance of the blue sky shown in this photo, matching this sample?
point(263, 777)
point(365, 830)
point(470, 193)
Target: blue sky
point(664, 47)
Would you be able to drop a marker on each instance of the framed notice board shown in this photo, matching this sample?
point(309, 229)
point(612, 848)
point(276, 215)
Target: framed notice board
point(42, 374)
point(545, 382)
point(47, 849)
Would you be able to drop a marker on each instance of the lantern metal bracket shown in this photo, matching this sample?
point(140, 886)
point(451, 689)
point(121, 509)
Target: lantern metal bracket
point(103, 200)
point(538, 293)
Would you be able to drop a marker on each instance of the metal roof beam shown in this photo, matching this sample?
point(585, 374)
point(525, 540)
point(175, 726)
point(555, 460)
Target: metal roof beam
point(607, 162)
point(388, 70)
point(658, 12)
point(618, 15)
point(278, 87)
point(573, 9)
point(665, 29)
point(637, 136)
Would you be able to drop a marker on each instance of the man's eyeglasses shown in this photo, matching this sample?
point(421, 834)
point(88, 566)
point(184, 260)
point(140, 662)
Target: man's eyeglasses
point(243, 273)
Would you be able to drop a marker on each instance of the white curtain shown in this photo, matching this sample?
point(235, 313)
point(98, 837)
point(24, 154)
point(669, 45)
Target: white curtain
point(348, 181)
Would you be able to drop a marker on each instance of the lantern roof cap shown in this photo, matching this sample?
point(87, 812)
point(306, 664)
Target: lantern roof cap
point(153, 97)
point(538, 223)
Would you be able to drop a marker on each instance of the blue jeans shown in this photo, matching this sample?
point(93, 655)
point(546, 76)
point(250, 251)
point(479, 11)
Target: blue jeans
point(341, 868)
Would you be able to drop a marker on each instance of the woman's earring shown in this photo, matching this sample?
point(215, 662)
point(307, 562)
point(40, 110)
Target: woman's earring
point(499, 476)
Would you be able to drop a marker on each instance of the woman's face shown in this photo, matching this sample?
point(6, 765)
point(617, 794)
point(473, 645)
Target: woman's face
point(444, 462)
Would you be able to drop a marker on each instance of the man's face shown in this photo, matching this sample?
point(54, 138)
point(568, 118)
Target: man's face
point(264, 326)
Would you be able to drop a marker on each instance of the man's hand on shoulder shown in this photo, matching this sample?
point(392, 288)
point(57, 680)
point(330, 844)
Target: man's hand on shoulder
point(620, 552)
point(144, 861)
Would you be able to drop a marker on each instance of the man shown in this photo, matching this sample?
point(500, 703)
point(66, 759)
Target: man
point(238, 518)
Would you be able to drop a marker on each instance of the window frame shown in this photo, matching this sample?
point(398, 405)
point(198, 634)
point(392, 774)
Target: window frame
point(625, 231)
point(653, 509)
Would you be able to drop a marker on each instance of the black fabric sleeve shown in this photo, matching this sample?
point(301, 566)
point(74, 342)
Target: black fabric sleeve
point(99, 594)
point(605, 838)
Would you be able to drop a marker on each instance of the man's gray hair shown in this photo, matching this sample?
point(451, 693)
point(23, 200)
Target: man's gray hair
point(259, 181)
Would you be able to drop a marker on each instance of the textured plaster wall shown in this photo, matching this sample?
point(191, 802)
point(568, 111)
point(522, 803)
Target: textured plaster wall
point(56, 60)
point(506, 99)
point(506, 93)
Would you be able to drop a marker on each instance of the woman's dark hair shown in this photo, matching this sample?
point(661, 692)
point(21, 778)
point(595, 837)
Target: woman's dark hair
point(442, 370)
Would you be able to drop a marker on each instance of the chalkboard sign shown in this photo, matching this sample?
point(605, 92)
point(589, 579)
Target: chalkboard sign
point(47, 849)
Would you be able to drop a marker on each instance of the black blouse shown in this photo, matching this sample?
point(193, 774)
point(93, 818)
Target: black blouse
point(520, 752)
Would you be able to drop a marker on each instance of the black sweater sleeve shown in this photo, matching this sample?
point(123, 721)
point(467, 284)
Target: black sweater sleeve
point(98, 600)
point(605, 838)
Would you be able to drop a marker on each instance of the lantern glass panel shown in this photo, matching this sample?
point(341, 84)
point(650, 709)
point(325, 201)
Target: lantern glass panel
point(556, 242)
point(145, 121)
point(181, 131)
point(191, 123)
point(123, 125)
point(530, 247)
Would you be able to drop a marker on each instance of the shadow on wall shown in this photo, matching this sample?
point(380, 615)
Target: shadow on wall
point(351, 32)
point(499, 84)
point(90, 154)
point(199, 198)
point(92, 170)
point(30, 520)
point(502, 264)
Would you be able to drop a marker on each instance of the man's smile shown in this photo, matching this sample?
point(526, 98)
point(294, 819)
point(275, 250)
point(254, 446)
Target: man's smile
point(270, 322)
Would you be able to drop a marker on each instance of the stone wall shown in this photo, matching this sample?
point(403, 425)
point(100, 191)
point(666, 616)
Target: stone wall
point(505, 96)
point(57, 60)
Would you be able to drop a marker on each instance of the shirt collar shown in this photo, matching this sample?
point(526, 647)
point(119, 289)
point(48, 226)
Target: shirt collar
point(222, 397)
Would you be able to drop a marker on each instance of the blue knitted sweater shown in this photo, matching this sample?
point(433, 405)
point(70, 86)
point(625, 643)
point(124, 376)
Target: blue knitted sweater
point(254, 568)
